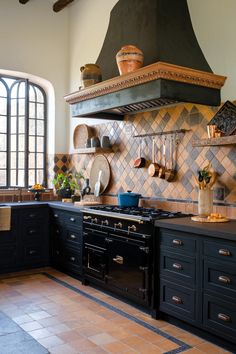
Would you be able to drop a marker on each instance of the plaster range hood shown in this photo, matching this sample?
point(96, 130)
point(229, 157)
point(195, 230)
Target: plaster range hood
point(175, 68)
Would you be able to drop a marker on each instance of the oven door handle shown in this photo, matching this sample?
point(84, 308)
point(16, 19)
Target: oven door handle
point(118, 259)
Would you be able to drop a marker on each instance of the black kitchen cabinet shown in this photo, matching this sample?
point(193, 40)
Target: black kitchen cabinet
point(66, 240)
point(197, 282)
point(33, 236)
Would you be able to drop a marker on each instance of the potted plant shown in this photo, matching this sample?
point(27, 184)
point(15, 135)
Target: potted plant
point(67, 183)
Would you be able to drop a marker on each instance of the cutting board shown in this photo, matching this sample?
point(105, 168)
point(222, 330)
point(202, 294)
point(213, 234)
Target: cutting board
point(86, 202)
point(100, 163)
point(205, 219)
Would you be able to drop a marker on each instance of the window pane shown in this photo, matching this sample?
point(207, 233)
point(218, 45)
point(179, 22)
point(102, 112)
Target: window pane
point(13, 142)
point(32, 110)
point(3, 91)
point(40, 144)
point(40, 97)
point(21, 160)
point(31, 178)
point(40, 111)
point(3, 142)
point(3, 106)
point(21, 178)
point(3, 124)
point(22, 89)
point(40, 127)
point(13, 160)
point(31, 127)
point(40, 176)
point(3, 178)
point(21, 123)
point(3, 160)
point(21, 138)
point(31, 160)
point(32, 94)
point(39, 160)
point(32, 144)
point(13, 125)
point(21, 107)
point(13, 178)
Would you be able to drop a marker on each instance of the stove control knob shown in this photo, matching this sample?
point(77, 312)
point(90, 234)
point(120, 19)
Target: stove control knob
point(118, 225)
point(132, 228)
point(105, 222)
point(87, 217)
point(95, 220)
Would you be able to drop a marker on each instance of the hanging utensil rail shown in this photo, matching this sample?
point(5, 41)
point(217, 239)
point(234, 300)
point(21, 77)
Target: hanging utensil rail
point(161, 133)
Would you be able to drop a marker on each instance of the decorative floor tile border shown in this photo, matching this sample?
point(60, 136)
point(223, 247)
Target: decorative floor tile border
point(182, 346)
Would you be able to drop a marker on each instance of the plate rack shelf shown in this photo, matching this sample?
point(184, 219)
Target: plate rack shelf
point(94, 150)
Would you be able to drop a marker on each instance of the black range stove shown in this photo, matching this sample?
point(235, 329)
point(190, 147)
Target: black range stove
point(119, 251)
point(133, 213)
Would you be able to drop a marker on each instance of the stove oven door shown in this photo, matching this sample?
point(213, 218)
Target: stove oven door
point(128, 267)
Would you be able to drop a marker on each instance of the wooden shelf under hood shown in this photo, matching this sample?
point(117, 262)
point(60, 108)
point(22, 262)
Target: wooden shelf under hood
point(148, 88)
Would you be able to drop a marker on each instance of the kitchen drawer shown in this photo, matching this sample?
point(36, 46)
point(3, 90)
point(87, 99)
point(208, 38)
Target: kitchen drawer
point(219, 317)
point(224, 251)
point(73, 237)
point(220, 277)
point(35, 254)
point(57, 216)
point(177, 300)
point(73, 260)
point(178, 241)
point(73, 219)
point(33, 214)
point(33, 231)
point(178, 267)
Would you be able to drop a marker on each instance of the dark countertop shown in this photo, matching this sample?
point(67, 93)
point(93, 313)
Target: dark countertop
point(226, 230)
point(56, 204)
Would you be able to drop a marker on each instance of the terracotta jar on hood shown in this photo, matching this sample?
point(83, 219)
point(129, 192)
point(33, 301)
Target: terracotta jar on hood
point(128, 59)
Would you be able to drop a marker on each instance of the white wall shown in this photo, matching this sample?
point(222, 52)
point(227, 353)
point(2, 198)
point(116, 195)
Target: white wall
point(215, 27)
point(34, 40)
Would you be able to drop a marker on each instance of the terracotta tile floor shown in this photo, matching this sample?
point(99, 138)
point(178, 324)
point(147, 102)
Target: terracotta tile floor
point(68, 318)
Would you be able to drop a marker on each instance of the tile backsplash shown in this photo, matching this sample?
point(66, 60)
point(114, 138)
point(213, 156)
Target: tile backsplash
point(189, 159)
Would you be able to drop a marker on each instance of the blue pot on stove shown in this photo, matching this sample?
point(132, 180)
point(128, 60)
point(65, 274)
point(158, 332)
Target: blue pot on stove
point(128, 199)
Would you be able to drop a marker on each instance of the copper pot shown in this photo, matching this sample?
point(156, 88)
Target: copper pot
point(162, 169)
point(140, 161)
point(154, 167)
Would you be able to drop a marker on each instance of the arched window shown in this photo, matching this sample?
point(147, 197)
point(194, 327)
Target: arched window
point(22, 133)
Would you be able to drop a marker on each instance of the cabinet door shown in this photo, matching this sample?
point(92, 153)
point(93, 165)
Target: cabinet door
point(8, 258)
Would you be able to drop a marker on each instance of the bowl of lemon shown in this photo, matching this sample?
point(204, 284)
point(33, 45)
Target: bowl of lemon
point(37, 189)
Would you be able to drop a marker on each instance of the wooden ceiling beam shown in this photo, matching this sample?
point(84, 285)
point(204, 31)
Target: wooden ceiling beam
point(23, 1)
point(60, 4)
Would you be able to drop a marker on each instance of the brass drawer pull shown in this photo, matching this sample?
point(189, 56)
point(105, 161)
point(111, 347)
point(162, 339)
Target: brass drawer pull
point(224, 279)
point(72, 236)
point(223, 317)
point(177, 242)
point(32, 231)
point(32, 252)
point(72, 219)
point(55, 216)
point(72, 259)
point(177, 266)
point(224, 252)
point(32, 215)
point(176, 299)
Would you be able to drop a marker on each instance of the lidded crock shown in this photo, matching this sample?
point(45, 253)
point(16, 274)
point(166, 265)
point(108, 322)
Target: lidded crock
point(90, 74)
point(128, 59)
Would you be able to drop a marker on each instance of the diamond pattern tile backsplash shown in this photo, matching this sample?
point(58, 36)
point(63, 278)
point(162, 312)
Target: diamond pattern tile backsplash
point(189, 160)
